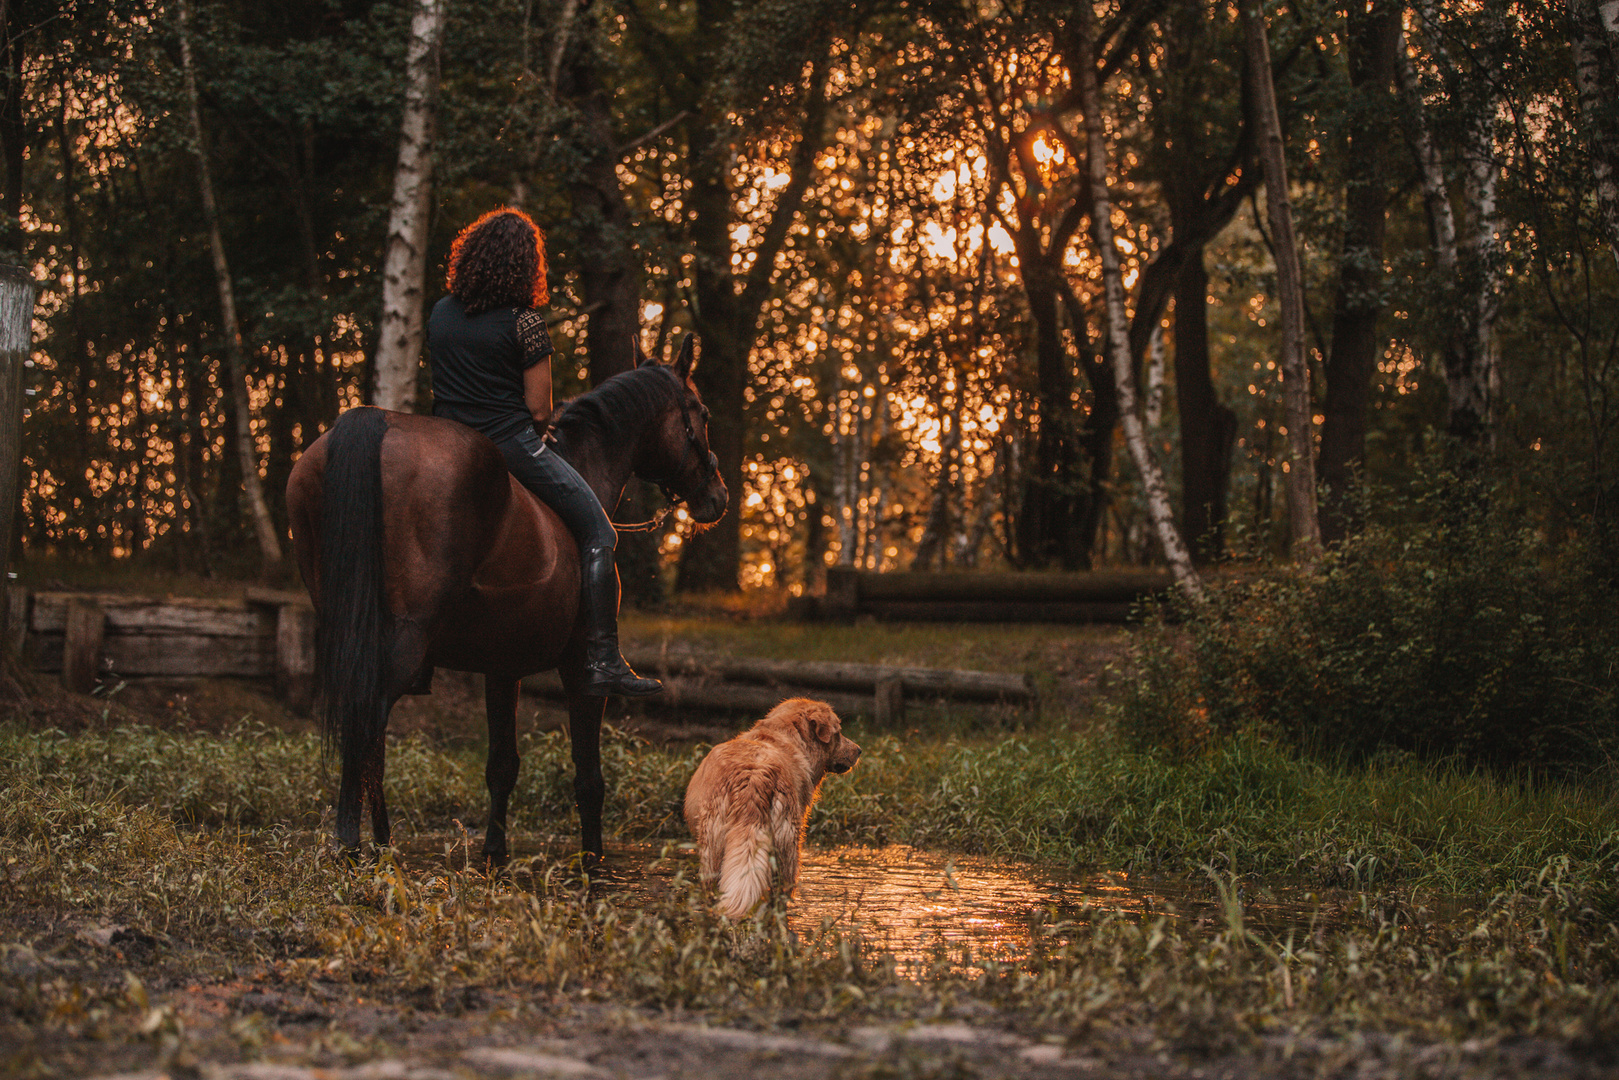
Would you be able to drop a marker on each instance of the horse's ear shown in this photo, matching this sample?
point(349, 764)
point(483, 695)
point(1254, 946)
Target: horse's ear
point(686, 362)
point(641, 358)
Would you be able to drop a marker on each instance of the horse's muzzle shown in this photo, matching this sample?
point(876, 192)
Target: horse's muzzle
point(709, 506)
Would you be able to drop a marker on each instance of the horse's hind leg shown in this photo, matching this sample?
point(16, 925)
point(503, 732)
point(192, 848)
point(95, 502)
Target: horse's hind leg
point(350, 793)
point(585, 714)
point(381, 834)
point(407, 656)
point(500, 772)
point(361, 782)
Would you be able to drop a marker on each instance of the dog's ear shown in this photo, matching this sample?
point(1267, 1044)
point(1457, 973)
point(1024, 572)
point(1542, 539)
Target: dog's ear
point(826, 724)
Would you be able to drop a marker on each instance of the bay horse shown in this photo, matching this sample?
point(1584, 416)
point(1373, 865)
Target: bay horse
point(420, 550)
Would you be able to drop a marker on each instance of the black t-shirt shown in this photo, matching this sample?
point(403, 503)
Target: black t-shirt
point(478, 363)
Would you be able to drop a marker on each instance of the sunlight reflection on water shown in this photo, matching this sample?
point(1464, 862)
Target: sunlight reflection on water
point(928, 908)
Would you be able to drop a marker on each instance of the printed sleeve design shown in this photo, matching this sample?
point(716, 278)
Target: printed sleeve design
point(533, 336)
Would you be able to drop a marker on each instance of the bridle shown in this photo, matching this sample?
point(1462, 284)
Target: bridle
point(688, 452)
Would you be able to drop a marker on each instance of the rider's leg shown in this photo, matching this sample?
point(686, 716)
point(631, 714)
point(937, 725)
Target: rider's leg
point(542, 471)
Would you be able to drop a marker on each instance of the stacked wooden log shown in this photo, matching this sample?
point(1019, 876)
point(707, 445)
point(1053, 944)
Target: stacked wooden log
point(93, 636)
point(1105, 596)
point(746, 684)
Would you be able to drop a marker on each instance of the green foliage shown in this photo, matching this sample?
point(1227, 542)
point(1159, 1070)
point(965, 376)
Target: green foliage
point(1456, 632)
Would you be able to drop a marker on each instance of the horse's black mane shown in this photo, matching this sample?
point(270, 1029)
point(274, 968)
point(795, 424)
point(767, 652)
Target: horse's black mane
point(618, 410)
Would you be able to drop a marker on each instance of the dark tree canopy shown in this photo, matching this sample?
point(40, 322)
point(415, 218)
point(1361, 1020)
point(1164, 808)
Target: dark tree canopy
point(876, 219)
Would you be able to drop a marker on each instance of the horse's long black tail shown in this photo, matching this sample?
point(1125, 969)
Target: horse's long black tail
point(351, 640)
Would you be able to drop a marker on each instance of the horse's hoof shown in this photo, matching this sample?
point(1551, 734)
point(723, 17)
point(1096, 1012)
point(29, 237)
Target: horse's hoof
point(495, 858)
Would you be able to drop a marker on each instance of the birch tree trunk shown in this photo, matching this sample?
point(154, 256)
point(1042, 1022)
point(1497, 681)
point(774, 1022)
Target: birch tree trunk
point(1118, 335)
point(17, 292)
point(1295, 370)
point(1472, 370)
point(1594, 28)
point(236, 360)
point(404, 269)
point(1472, 414)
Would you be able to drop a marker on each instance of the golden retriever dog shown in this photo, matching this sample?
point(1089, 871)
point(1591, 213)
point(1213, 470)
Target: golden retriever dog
point(751, 796)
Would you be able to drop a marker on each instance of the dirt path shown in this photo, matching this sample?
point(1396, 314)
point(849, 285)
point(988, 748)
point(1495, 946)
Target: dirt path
point(250, 1033)
point(140, 1011)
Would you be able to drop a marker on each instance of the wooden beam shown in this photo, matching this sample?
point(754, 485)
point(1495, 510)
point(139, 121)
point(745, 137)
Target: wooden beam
point(295, 655)
point(864, 678)
point(151, 614)
point(709, 696)
point(996, 611)
point(1094, 587)
point(86, 626)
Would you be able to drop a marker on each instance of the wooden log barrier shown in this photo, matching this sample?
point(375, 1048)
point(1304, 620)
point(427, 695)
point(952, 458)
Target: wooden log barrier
point(834, 675)
point(708, 695)
point(267, 634)
point(147, 636)
point(756, 685)
point(84, 627)
point(294, 644)
point(1092, 596)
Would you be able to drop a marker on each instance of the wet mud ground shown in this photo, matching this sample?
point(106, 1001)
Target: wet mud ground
point(205, 1017)
point(926, 908)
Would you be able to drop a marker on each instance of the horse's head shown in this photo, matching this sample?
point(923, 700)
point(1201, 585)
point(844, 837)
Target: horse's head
point(676, 456)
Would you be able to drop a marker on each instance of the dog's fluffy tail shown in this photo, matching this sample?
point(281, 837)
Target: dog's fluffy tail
point(745, 873)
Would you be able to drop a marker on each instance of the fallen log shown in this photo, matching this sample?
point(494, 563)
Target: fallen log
point(913, 681)
point(999, 611)
point(1093, 586)
point(152, 615)
point(174, 656)
point(993, 596)
point(702, 694)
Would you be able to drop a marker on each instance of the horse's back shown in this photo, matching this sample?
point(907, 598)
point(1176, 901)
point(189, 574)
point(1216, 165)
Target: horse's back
point(472, 558)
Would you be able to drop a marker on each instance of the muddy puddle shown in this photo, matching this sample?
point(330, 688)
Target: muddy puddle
point(928, 908)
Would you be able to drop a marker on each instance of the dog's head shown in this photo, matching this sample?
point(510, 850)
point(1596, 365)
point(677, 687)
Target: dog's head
point(821, 731)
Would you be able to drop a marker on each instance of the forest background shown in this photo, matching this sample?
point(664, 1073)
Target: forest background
point(878, 219)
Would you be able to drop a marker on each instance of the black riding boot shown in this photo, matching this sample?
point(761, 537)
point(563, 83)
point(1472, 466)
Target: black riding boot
point(605, 669)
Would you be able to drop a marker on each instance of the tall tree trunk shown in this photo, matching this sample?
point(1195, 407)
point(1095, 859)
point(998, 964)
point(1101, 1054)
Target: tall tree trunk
point(1118, 335)
point(1294, 368)
point(710, 560)
point(1471, 356)
point(13, 132)
point(404, 269)
point(1472, 417)
point(1208, 427)
point(1055, 493)
point(610, 275)
point(247, 455)
point(726, 315)
point(1374, 36)
point(1594, 30)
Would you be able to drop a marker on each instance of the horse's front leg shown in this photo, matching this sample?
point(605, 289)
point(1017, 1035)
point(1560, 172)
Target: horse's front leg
point(585, 714)
point(500, 772)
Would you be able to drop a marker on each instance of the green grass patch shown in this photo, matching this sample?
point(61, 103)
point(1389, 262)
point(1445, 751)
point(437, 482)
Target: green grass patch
point(1043, 796)
point(1540, 959)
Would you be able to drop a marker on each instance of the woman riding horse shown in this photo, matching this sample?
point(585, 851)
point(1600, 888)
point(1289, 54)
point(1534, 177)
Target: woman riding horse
point(491, 360)
point(421, 549)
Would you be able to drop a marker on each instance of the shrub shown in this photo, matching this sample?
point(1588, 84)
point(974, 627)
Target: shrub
point(1467, 635)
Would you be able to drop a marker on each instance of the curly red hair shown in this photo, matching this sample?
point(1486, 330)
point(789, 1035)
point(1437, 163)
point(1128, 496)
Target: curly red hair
point(499, 261)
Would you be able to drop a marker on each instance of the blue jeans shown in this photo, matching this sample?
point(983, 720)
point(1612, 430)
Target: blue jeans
point(541, 469)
